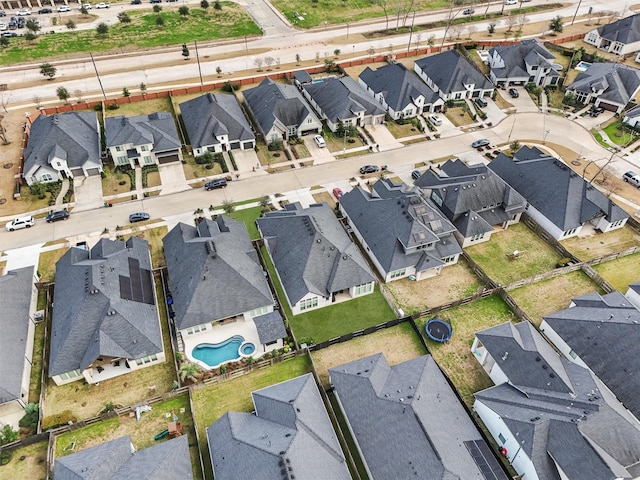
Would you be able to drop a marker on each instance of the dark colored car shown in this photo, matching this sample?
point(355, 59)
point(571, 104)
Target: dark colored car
point(469, 11)
point(217, 183)
point(483, 142)
point(481, 102)
point(415, 174)
point(156, 1)
point(337, 193)
point(368, 169)
point(59, 215)
point(136, 2)
point(595, 111)
point(2, 14)
point(138, 217)
point(514, 93)
point(44, 10)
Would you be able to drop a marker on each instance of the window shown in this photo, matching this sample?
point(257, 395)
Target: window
point(148, 160)
point(573, 354)
point(119, 148)
point(46, 177)
point(64, 376)
point(398, 273)
point(122, 160)
point(363, 289)
point(258, 311)
point(271, 343)
point(144, 148)
point(308, 303)
point(502, 439)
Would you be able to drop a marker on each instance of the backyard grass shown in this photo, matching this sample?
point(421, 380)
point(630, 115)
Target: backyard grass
point(141, 432)
point(399, 344)
point(35, 380)
point(456, 281)
point(557, 293)
point(248, 216)
point(154, 237)
point(141, 33)
point(86, 400)
point(144, 107)
point(341, 318)
point(33, 466)
point(596, 244)
point(210, 403)
point(455, 356)
point(621, 272)
point(47, 263)
point(535, 255)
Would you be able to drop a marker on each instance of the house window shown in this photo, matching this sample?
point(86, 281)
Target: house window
point(271, 343)
point(309, 303)
point(144, 148)
point(592, 37)
point(148, 160)
point(364, 289)
point(502, 439)
point(46, 177)
point(309, 120)
point(258, 311)
point(64, 376)
point(119, 148)
point(617, 47)
point(534, 67)
point(573, 354)
point(398, 273)
point(122, 160)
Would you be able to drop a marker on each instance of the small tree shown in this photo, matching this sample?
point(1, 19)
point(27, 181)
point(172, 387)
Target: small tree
point(228, 207)
point(491, 28)
point(126, 92)
point(30, 36)
point(143, 88)
point(102, 29)
point(48, 70)
point(258, 63)
point(63, 94)
point(189, 371)
point(514, 146)
point(298, 59)
point(71, 25)
point(185, 51)
point(431, 41)
point(217, 5)
point(4, 42)
point(83, 10)
point(79, 95)
point(33, 25)
point(124, 18)
point(204, 4)
point(556, 25)
point(157, 8)
point(219, 71)
point(184, 11)
point(159, 20)
point(268, 62)
point(336, 52)
point(8, 435)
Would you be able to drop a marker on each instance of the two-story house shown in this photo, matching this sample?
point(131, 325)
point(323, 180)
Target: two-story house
point(526, 62)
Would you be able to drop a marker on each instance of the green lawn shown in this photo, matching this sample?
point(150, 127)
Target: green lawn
point(35, 381)
point(143, 32)
point(211, 403)
point(618, 135)
point(47, 263)
point(620, 272)
point(33, 466)
point(248, 216)
point(598, 138)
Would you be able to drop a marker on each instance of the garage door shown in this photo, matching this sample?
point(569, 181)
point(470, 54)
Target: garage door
point(93, 171)
point(234, 145)
point(169, 159)
point(247, 145)
point(77, 172)
point(607, 106)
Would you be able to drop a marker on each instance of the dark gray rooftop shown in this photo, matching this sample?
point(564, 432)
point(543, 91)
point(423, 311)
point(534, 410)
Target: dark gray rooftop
point(16, 290)
point(158, 129)
point(289, 436)
point(450, 71)
point(104, 304)
point(114, 460)
point(312, 252)
point(270, 327)
point(516, 58)
point(214, 272)
point(620, 82)
point(626, 30)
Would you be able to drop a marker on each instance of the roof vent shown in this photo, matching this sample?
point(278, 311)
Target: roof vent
point(318, 240)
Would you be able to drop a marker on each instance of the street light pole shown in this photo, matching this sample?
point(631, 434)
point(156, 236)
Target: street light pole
point(411, 31)
point(576, 14)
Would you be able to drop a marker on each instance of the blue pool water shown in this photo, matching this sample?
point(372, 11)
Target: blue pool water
point(214, 354)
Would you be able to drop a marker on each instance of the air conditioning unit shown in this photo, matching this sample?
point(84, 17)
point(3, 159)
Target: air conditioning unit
point(38, 316)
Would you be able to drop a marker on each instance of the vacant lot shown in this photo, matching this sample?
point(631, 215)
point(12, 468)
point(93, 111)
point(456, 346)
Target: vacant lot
point(620, 272)
point(33, 466)
point(557, 293)
point(535, 256)
point(455, 356)
point(594, 244)
point(456, 281)
point(399, 344)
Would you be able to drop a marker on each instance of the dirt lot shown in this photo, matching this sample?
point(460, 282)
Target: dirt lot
point(10, 162)
point(398, 344)
point(593, 244)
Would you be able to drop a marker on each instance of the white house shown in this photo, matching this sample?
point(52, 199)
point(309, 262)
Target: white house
point(620, 37)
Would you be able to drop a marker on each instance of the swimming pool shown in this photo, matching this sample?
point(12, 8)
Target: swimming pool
point(215, 354)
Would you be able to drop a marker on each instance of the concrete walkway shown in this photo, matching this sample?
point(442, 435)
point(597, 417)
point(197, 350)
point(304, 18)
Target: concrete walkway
point(63, 191)
point(139, 188)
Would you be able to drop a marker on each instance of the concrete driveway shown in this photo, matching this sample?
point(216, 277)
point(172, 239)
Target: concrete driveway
point(88, 193)
point(319, 155)
point(494, 114)
point(172, 178)
point(246, 160)
point(589, 122)
point(523, 103)
point(383, 137)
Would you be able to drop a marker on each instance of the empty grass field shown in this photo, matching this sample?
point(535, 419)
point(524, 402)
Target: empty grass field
point(595, 244)
point(620, 272)
point(26, 462)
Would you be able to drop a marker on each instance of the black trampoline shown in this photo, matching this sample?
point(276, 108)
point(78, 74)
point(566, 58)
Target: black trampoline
point(438, 330)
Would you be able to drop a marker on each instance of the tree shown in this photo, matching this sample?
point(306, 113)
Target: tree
point(143, 88)
point(185, 51)
point(79, 95)
point(71, 25)
point(298, 59)
point(514, 146)
point(157, 8)
point(159, 20)
point(126, 92)
point(4, 42)
point(48, 70)
point(189, 371)
point(63, 94)
point(8, 435)
point(204, 4)
point(268, 62)
point(30, 36)
point(556, 25)
point(219, 71)
point(228, 206)
point(491, 28)
point(124, 17)
point(33, 25)
point(217, 6)
point(102, 29)
point(336, 52)
point(83, 10)
point(183, 10)
point(258, 63)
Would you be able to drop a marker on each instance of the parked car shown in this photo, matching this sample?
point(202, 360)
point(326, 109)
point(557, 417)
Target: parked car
point(136, 2)
point(510, 2)
point(415, 174)
point(9, 34)
point(368, 169)
point(156, 1)
point(435, 119)
point(319, 141)
point(216, 183)
point(63, 8)
point(56, 216)
point(633, 178)
point(2, 14)
point(23, 12)
point(483, 142)
point(42, 11)
point(138, 217)
point(469, 11)
point(481, 102)
point(337, 193)
point(3, 26)
point(595, 111)
point(20, 222)
point(102, 5)
point(514, 93)
point(86, 6)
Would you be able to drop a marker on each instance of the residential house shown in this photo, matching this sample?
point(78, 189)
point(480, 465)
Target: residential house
point(215, 123)
point(558, 198)
point(610, 86)
point(105, 317)
point(65, 145)
point(342, 101)
point(289, 435)
point(119, 460)
point(400, 92)
point(602, 333)
point(403, 233)
point(215, 277)
point(473, 198)
point(18, 296)
point(407, 422)
point(143, 140)
point(632, 117)
point(633, 294)
point(280, 111)
point(316, 261)
point(620, 37)
point(551, 418)
point(452, 77)
point(526, 62)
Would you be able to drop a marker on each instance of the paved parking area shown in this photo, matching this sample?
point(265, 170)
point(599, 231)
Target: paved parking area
point(524, 103)
point(589, 122)
point(319, 155)
point(172, 178)
point(494, 114)
point(88, 193)
point(383, 137)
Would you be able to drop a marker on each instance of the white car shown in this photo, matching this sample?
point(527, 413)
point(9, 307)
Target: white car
point(64, 8)
point(23, 12)
point(3, 26)
point(320, 141)
point(86, 6)
point(435, 119)
point(510, 2)
point(20, 222)
point(102, 5)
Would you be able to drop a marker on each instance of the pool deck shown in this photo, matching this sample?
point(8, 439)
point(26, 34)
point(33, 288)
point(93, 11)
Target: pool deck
point(218, 334)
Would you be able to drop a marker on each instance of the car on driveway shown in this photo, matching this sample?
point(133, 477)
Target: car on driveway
point(320, 141)
point(86, 6)
point(138, 217)
point(3, 26)
point(368, 169)
point(9, 34)
point(64, 8)
point(468, 11)
point(337, 193)
point(20, 222)
point(23, 12)
point(483, 142)
point(56, 216)
point(415, 174)
point(481, 102)
point(632, 178)
point(514, 93)
point(2, 14)
point(216, 183)
point(435, 119)
point(595, 111)
point(102, 5)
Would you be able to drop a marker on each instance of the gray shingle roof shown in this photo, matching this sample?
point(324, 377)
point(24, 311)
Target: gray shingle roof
point(626, 30)
point(399, 85)
point(393, 218)
point(342, 98)
point(73, 135)
point(289, 435)
point(16, 288)
point(270, 327)
point(214, 272)
point(156, 128)
point(405, 418)
point(554, 189)
point(312, 252)
point(114, 460)
point(516, 58)
point(450, 71)
point(104, 305)
point(620, 82)
point(212, 115)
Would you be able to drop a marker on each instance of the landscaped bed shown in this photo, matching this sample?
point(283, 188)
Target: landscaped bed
point(621, 272)
point(597, 244)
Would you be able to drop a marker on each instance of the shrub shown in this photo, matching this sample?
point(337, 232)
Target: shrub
point(30, 420)
point(108, 407)
point(275, 145)
point(57, 420)
point(205, 158)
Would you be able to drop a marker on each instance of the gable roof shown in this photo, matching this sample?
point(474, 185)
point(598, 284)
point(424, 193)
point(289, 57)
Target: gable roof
point(72, 136)
point(289, 436)
point(214, 114)
point(632, 112)
point(620, 82)
point(116, 460)
point(406, 419)
point(342, 98)
point(554, 189)
point(626, 30)
point(214, 272)
point(473, 197)
point(450, 72)
point(104, 304)
point(516, 58)
point(393, 218)
point(156, 128)
point(311, 251)
point(16, 290)
point(399, 85)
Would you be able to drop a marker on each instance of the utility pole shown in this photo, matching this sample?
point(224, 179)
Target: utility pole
point(98, 75)
point(413, 20)
point(198, 59)
point(576, 14)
